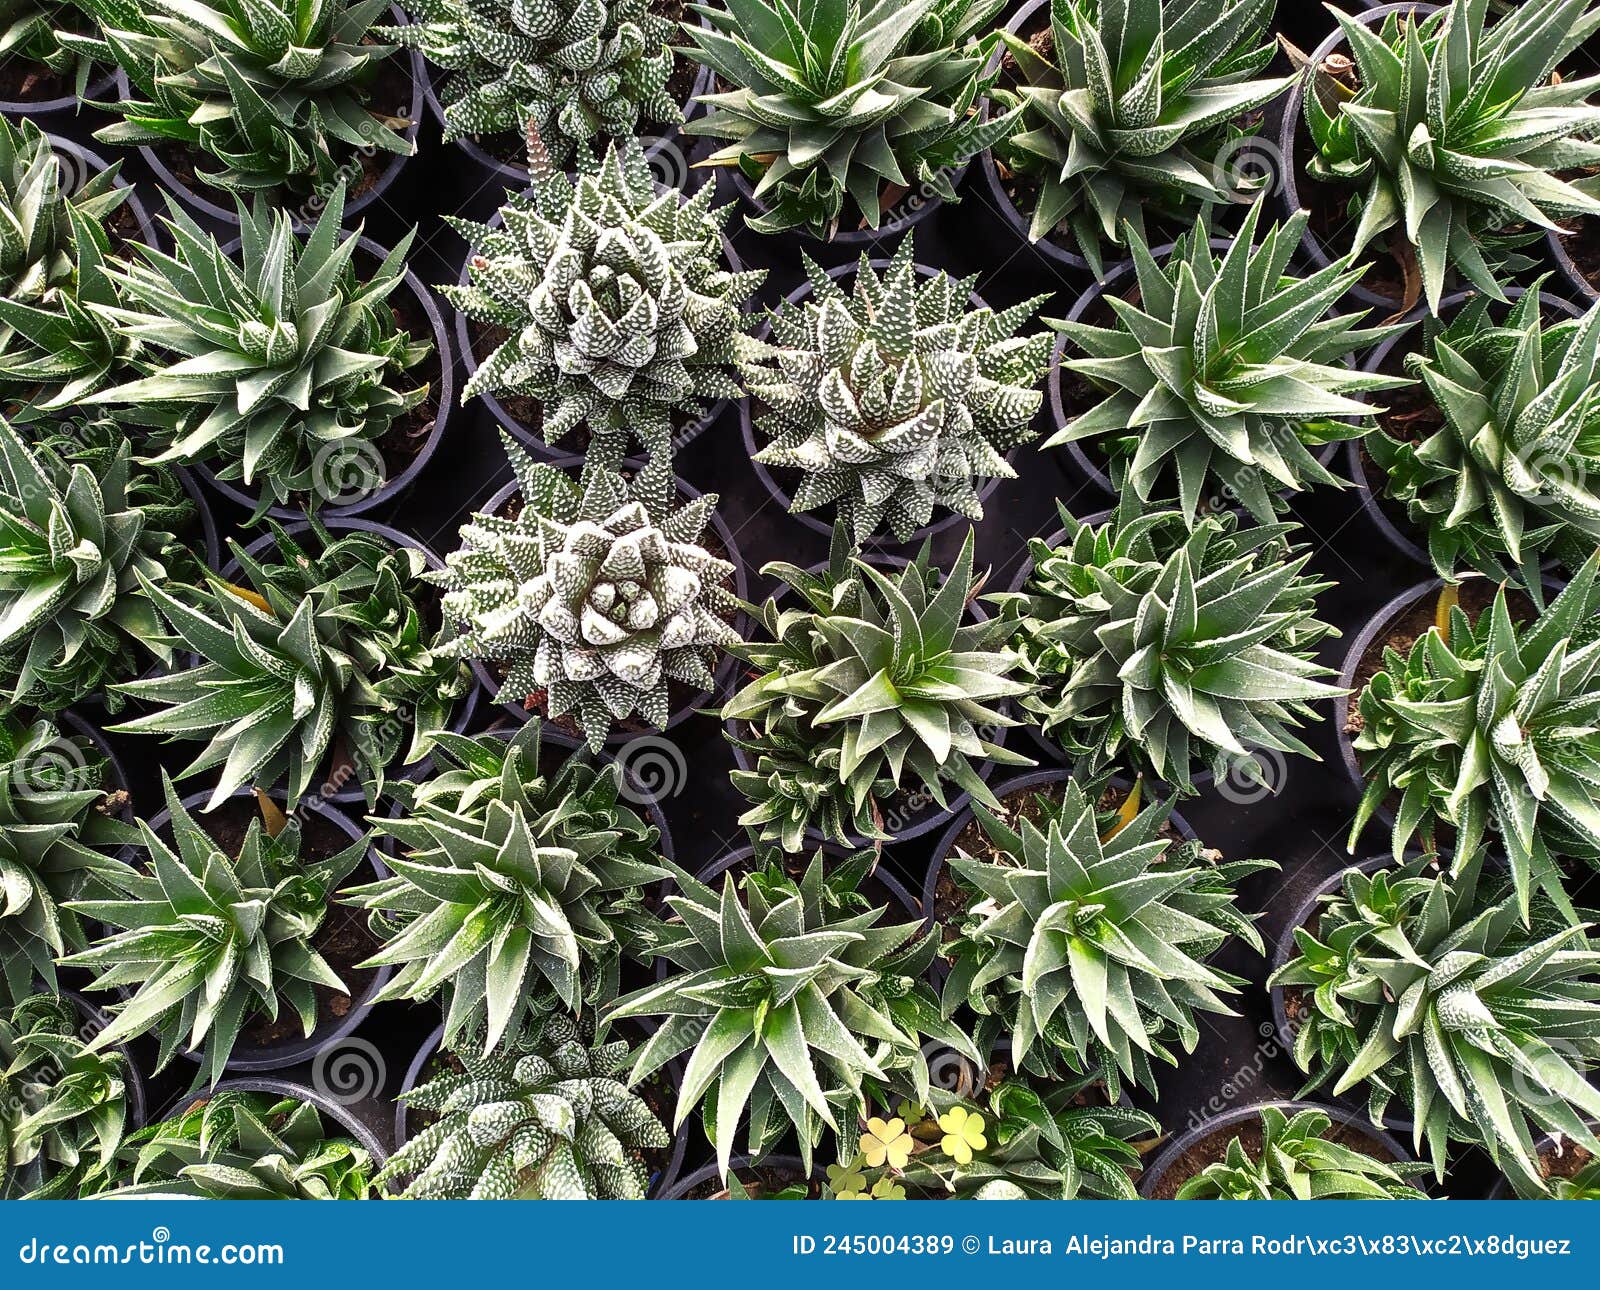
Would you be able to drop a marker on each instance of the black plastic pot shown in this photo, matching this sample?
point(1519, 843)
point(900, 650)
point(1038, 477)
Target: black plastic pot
point(1285, 949)
point(361, 462)
point(1038, 779)
point(430, 1046)
point(1567, 267)
point(339, 1113)
point(930, 814)
point(711, 872)
point(1228, 1123)
point(619, 737)
point(466, 708)
point(680, 1188)
point(79, 164)
point(529, 436)
point(325, 1037)
point(62, 110)
point(810, 519)
point(219, 208)
point(94, 1021)
point(70, 723)
point(1400, 539)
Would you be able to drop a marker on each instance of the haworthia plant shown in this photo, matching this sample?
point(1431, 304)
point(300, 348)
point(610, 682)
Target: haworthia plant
point(546, 1117)
point(836, 100)
point(894, 397)
point(512, 881)
point(597, 597)
point(1453, 135)
point(1226, 374)
point(579, 73)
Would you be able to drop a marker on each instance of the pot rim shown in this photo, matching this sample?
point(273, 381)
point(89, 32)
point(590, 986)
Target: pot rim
point(330, 1108)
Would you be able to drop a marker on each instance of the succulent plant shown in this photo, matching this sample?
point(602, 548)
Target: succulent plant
point(1298, 1160)
point(597, 596)
point(1455, 135)
point(76, 548)
point(275, 365)
point(893, 398)
point(864, 99)
point(546, 1117)
point(1512, 471)
point(1087, 938)
point(870, 684)
point(330, 655)
point(238, 1144)
point(1157, 647)
point(1491, 729)
point(1583, 1184)
point(1437, 993)
point(1133, 107)
point(63, 1108)
point(793, 999)
point(512, 883)
point(265, 95)
point(209, 942)
point(53, 349)
point(29, 34)
point(1225, 375)
point(579, 74)
point(617, 309)
point(58, 830)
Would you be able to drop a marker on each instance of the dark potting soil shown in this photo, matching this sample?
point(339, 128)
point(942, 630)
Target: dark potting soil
point(759, 1181)
point(524, 409)
point(1567, 1161)
point(1214, 1147)
point(679, 695)
point(408, 435)
point(343, 939)
point(1583, 245)
point(24, 81)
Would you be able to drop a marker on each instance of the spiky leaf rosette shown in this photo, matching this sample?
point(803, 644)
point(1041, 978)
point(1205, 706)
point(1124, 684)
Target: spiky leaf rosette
point(1131, 108)
point(510, 883)
point(28, 34)
point(76, 549)
point(326, 653)
point(1156, 647)
point(1492, 729)
point(617, 307)
point(53, 252)
point(63, 1108)
point(598, 595)
point(591, 70)
point(262, 363)
point(1455, 134)
point(793, 999)
point(858, 99)
point(1512, 472)
point(57, 833)
point(266, 95)
point(871, 683)
point(893, 397)
point(1297, 1160)
point(545, 1117)
point(37, 234)
point(1227, 374)
point(1087, 939)
point(1434, 992)
point(242, 1145)
point(208, 942)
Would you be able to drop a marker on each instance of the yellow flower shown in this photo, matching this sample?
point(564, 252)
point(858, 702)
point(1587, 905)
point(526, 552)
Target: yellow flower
point(963, 1134)
point(886, 1143)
